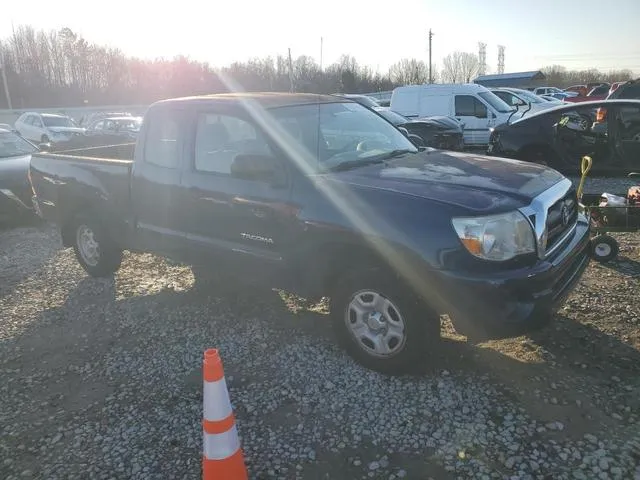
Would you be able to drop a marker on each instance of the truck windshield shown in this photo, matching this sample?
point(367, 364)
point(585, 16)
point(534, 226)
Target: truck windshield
point(11, 145)
point(331, 134)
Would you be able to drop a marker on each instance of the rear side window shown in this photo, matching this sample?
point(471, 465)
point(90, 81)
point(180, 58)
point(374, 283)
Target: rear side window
point(470, 106)
point(161, 147)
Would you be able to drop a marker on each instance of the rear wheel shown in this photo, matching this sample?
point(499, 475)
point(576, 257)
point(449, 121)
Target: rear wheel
point(604, 248)
point(95, 250)
point(382, 325)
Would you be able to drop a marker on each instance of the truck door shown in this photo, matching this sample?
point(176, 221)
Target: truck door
point(234, 222)
point(155, 184)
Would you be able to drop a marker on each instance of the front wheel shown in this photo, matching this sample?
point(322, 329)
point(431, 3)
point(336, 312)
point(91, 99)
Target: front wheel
point(382, 325)
point(604, 248)
point(94, 249)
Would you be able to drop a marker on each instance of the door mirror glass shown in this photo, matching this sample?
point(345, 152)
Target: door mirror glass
point(254, 167)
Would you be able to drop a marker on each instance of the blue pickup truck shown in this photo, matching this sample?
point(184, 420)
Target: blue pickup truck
point(323, 197)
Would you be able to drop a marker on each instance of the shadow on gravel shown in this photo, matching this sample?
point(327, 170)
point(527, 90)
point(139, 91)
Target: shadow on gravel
point(574, 344)
point(625, 266)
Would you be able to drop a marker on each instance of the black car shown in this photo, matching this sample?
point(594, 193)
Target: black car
point(15, 191)
point(441, 132)
point(561, 136)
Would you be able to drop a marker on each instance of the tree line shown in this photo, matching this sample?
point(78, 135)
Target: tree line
point(61, 69)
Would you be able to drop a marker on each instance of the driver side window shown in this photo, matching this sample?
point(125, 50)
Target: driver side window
point(469, 106)
point(221, 137)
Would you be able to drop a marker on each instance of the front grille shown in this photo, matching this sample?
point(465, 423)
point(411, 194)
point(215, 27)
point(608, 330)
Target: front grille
point(561, 217)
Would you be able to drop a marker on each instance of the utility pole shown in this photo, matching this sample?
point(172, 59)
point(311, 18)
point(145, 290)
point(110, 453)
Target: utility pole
point(4, 78)
point(291, 73)
point(320, 53)
point(430, 65)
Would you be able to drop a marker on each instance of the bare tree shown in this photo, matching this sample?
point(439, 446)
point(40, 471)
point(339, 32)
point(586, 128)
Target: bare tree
point(61, 69)
point(460, 67)
point(409, 71)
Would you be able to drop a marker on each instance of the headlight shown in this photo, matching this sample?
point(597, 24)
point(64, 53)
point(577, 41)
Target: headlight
point(496, 237)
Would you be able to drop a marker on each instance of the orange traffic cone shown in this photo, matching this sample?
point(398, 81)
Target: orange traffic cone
point(222, 456)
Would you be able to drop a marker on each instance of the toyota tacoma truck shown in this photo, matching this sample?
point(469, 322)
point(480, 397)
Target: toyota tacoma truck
point(323, 197)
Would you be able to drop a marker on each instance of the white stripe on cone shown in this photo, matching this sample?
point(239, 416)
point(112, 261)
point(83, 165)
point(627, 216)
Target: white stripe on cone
point(217, 405)
point(218, 446)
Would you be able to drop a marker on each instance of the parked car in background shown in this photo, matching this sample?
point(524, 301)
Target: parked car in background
point(597, 93)
point(554, 92)
point(91, 118)
point(441, 132)
point(561, 136)
point(626, 118)
point(475, 106)
point(553, 100)
point(361, 99)
point(46, 127)
point(629, 90)
point(521, 99)
point(614, 86)
point(102, 132)
point(15, 191)
point(322, 197)
point(581, 90)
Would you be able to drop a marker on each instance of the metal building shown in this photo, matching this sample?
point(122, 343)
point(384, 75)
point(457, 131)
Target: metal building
point(516, 80)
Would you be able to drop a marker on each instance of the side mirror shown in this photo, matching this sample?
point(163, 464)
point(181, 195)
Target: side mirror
point(416, 140)
point(255, 167)
point(404, 131)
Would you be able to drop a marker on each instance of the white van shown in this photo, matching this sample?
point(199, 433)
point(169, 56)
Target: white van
point(473, 105)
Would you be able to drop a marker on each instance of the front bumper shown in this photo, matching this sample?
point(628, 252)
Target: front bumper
point(512, 303)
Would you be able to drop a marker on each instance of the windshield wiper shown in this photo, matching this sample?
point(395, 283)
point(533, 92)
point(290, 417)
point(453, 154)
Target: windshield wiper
point(349, 164)
point(382, 158)
point(395, 153)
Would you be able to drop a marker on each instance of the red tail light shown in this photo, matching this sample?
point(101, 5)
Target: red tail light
point(601, 115)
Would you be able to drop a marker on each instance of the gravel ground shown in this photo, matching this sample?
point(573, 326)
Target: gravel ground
point(102, 379)
point(606, 184)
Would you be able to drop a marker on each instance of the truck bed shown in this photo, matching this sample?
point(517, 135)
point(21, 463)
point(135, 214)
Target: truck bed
point(62, 182)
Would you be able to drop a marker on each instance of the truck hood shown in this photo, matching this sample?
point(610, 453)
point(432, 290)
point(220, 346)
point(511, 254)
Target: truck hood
point(476, 183)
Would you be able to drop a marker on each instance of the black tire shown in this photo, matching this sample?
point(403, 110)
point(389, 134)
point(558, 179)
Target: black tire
point(108, 255)
point(421, 325)
point(604, 248)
